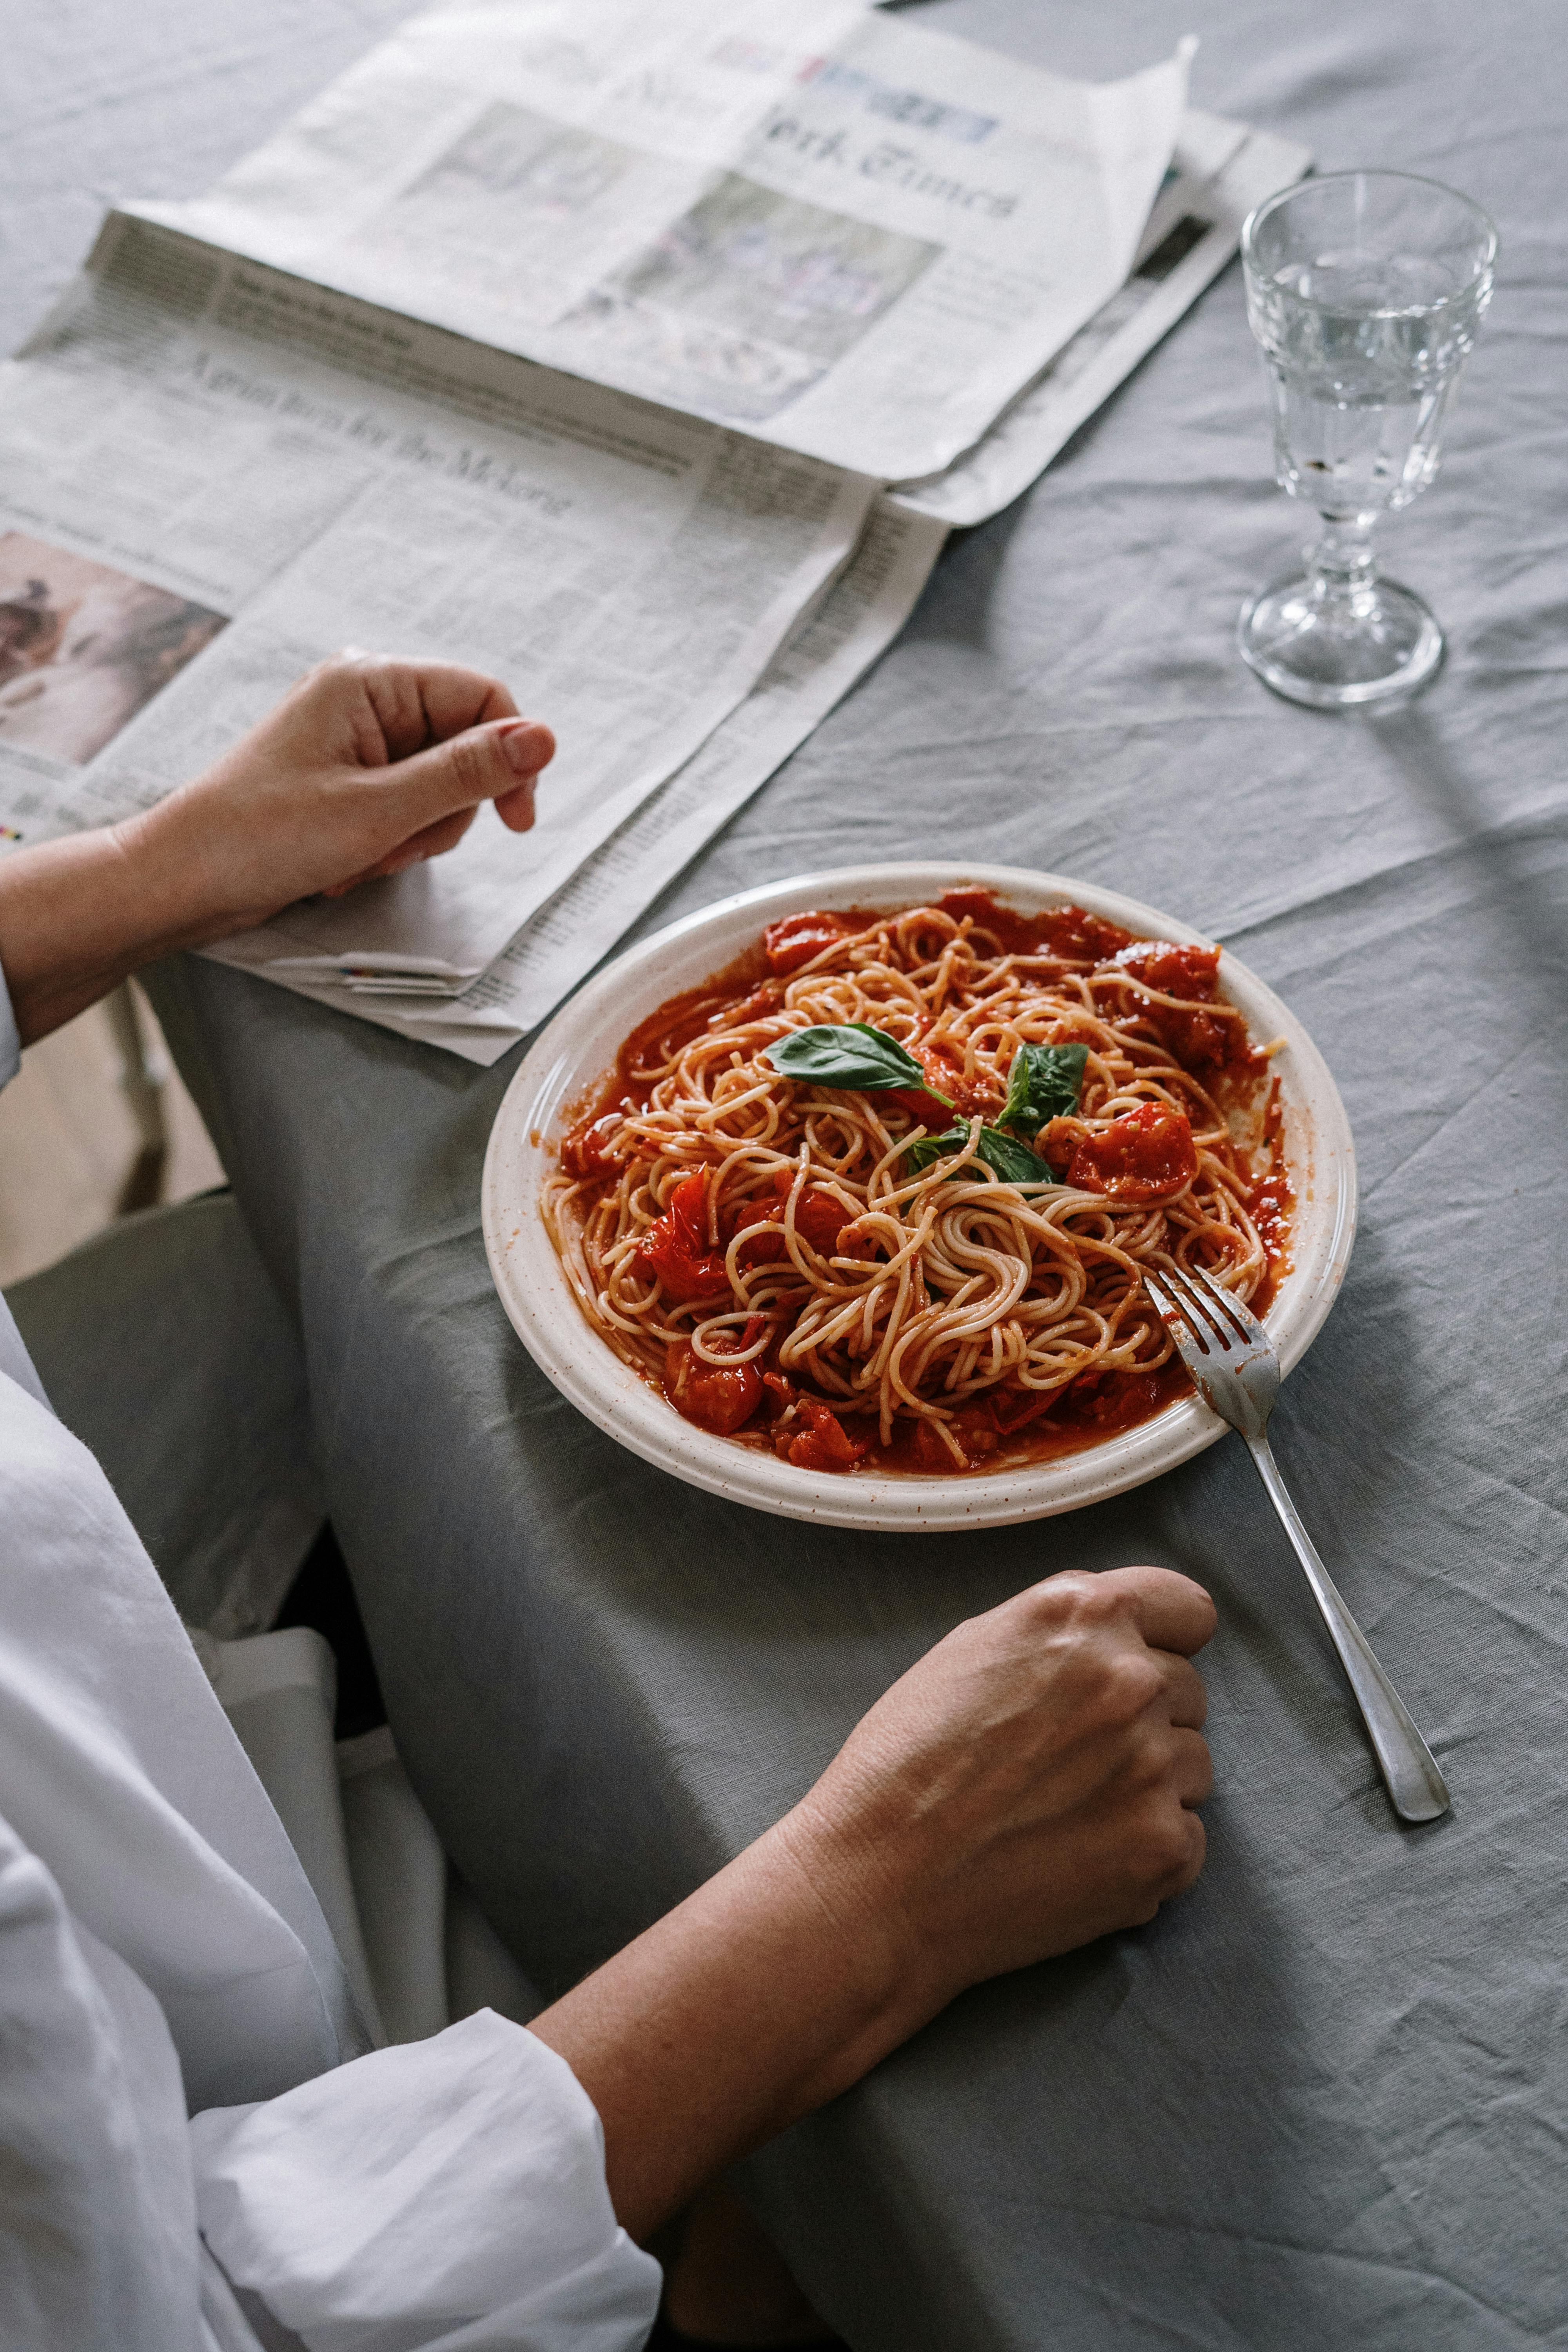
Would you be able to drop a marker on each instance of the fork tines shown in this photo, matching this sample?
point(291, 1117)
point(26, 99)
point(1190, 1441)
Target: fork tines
point(1203, 1305)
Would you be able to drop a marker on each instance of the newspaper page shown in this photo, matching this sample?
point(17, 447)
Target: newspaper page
point(1220, 171)
point(835, 231)
point(1194, 231)
point(831, 647)
point(212, 475)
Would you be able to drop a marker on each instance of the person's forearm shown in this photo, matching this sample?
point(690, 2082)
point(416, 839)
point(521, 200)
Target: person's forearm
point(767, 1992)
point(77, 915)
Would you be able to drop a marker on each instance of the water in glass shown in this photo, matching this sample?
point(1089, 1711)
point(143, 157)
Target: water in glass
point(1364, 291)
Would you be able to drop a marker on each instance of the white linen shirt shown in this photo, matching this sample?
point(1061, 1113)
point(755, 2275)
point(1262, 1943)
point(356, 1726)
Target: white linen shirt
point(162, 1954)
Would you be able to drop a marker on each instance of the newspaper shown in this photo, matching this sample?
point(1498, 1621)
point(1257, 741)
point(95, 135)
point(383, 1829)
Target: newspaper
point(215, 470)
point(832, 647)
point(212, 475)
point(1220, 171)
point(838, 232)
point(111, 383)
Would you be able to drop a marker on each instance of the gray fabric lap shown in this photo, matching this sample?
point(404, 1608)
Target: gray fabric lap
point(163, 1344)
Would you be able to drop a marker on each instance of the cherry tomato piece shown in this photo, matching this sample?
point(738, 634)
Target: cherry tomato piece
point(1143, 1156)
point(933, 1110)
point(932, 1451)
point(794, 939)
point(1015, 1409)
point(677, 1249)
point(950, 1096)
point(1195, 1037)
point(721, 1398)
point(822, 1443)
point(1175, 970)
point(584, 1154)
point(819, 1219)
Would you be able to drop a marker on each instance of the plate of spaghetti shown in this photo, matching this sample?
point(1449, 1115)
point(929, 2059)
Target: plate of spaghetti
point(834, 1199)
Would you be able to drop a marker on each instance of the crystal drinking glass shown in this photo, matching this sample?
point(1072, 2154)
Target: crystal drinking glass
point(1364, 289)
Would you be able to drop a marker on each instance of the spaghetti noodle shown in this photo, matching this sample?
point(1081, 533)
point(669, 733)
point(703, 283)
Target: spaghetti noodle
point(927, 1275)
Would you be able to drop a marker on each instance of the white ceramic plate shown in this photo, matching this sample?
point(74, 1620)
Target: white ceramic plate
point(574, 1056)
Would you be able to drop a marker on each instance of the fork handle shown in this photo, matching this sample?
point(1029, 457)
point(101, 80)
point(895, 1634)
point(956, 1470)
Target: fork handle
point(1416, 1787)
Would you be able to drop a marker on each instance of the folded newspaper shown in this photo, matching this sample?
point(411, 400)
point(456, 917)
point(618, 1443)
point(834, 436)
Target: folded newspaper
point(643, 361)
point(833, 231)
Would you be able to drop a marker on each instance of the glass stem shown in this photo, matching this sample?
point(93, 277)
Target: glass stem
point(1341, 570)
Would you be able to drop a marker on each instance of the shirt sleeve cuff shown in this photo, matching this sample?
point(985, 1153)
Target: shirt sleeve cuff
point(422, 2188)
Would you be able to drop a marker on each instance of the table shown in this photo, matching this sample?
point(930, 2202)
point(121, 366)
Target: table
point(1322, 2102)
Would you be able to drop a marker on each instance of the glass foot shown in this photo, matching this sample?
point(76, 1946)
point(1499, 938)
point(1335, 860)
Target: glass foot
point(1338, 651)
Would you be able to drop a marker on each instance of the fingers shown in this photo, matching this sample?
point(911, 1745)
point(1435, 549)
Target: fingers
point(418, 703)
point(452, 736)
point(1190, 1853)
point(1192, 1768)
point(1185, 1700)
point(1170, 1611)
point(482, 764)
point(516, 808)
point(444, 835)
point(1035, 1779)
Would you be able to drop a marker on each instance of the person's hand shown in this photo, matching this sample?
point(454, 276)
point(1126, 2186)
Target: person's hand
point(1028, 1786)
point(367, 767)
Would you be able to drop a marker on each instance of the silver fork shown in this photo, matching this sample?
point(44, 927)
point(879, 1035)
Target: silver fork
point(1228, 1354)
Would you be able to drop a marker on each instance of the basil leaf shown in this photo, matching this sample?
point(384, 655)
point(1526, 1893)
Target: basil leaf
point(1012, 1161)
point(918, 1157)
point(1043, 1083)
point(848, 1054)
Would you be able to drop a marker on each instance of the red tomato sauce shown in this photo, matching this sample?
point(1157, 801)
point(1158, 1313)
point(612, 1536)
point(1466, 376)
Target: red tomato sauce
point(999, 1431)
point(1070, 934)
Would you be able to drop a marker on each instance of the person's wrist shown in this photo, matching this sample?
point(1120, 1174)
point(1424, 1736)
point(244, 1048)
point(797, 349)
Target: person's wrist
point(172, 877)
point(861, 1886)
point(81, 912)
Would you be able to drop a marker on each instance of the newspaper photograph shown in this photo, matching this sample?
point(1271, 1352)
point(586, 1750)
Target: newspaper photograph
point(83, 646)
point(837, 231)
point(628, 571)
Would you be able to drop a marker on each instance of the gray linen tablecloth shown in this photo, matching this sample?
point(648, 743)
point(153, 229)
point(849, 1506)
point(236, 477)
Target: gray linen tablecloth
point(1322, 2102)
